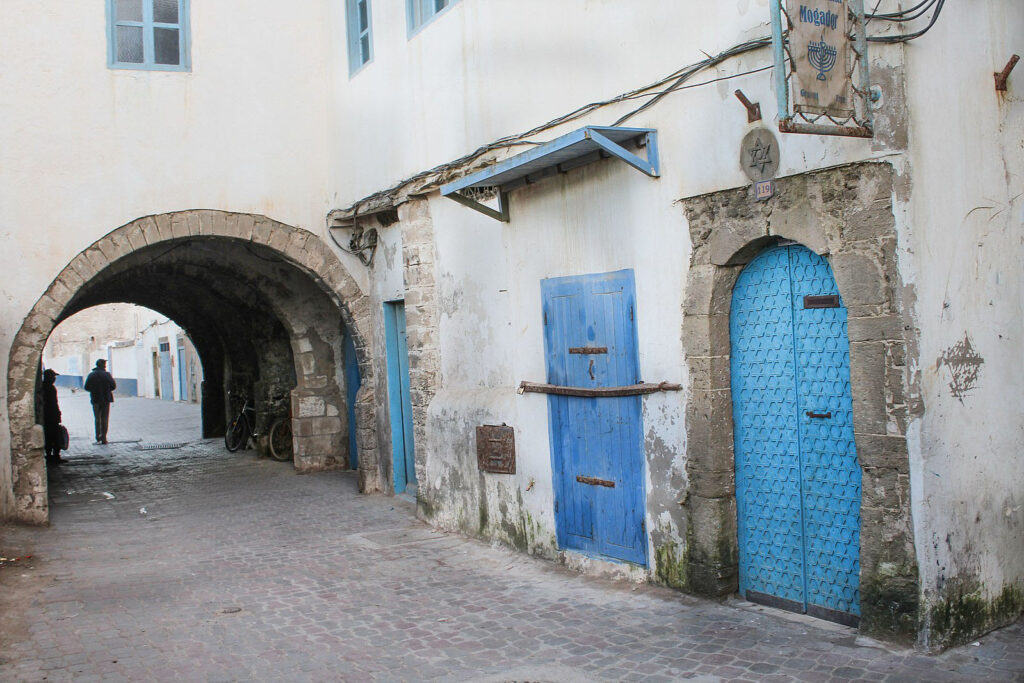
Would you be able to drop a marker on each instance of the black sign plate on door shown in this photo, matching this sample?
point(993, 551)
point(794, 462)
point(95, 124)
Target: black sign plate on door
point(822, 301)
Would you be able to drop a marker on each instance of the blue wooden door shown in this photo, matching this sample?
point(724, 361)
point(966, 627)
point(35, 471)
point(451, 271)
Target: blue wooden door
point(596, 443)
point(798, 483)
point(182, 375)
point(352, 384)
point(166, 373)
point(400, 400)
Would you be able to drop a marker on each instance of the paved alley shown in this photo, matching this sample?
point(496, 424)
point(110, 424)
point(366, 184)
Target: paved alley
point(187, 562)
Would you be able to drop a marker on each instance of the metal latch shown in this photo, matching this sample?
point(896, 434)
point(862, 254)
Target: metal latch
point(811, 413)
point(594, 481)
point(586, 350)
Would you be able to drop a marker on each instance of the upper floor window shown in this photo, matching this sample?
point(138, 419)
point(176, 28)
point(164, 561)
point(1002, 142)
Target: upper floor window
point(148, 34)
point(360, 40)
point(420, 12)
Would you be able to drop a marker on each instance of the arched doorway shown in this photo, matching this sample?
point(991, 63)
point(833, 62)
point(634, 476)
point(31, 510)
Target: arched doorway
point(798, 483)
point(268, 307)
point(844, 214)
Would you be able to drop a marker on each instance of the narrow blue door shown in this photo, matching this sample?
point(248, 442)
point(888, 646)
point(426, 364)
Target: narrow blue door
point(400, 400)
point(798, 483)
point(352, 384)
point(166, 373)
point(596, 443)
point(182, 375)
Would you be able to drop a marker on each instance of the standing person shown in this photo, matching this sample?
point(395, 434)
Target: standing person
point(51, 419)
point(100, 384)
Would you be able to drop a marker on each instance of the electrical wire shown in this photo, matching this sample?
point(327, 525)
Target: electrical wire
point(911, 36)
point(676, 80)
point(906, 16)
point(901, 13)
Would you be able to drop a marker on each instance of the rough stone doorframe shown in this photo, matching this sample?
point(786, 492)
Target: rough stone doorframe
point(300, 248)
point(844, 214)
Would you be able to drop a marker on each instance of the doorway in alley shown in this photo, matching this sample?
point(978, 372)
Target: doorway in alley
point(798, 482)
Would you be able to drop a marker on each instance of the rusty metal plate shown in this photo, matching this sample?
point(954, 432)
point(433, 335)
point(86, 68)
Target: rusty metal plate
point(496, 449)
point(585, 350)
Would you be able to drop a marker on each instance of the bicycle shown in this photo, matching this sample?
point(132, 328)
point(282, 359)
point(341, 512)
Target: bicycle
point(242, 428)
point(280, 440)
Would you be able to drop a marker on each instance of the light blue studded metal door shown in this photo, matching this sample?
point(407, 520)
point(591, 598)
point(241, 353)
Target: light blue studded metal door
point(797, 478)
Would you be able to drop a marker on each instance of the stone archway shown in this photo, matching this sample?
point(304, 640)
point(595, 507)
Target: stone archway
point(289, 263)
point(846, 215)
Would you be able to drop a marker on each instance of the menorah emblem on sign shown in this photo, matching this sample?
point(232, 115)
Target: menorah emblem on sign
point(822, 57)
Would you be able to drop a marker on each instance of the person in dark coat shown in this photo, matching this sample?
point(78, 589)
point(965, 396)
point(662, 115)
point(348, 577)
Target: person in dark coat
point(100, 384)
point(51, 419)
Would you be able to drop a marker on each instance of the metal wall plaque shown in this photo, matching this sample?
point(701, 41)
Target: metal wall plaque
point(496, 449)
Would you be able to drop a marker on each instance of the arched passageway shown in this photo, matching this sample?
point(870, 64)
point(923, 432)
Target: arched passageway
point(272, 314)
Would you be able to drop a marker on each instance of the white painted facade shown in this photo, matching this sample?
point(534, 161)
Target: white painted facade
point(269, 121)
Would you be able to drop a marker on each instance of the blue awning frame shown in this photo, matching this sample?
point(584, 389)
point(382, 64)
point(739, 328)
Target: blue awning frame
point(572, 150)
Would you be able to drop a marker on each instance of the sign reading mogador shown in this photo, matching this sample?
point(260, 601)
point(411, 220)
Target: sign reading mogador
point(820, 48)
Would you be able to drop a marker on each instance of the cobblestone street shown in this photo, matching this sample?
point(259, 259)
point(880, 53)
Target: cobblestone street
point(192, 563)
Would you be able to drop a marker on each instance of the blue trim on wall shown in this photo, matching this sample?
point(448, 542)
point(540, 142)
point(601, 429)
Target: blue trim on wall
point(126, 387)
point(69, 381)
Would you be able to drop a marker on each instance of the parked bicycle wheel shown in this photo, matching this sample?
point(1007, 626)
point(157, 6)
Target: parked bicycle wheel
point(281, 439)
point(236, 434)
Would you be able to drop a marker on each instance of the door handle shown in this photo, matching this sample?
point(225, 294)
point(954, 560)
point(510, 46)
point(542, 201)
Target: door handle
point(812, 414)
point(591, 369)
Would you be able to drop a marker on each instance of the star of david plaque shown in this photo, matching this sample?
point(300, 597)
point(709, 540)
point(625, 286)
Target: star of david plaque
point(759, 155)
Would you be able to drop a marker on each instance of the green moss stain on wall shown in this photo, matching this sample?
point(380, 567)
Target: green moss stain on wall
point(671, 562)
point(963, 613)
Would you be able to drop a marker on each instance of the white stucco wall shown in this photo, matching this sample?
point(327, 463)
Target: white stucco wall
point(966, 215)
point(85, 149)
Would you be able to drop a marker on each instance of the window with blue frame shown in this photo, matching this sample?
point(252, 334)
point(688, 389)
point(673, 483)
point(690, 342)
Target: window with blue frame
point(421, 12)
point(148, 34)
point(360, 38)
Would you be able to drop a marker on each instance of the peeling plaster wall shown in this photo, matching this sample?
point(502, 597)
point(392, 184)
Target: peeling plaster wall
point(966, 210)
point(486, 275)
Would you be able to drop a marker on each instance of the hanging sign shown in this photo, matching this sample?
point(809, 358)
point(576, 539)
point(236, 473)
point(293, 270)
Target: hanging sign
point(820, 48)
